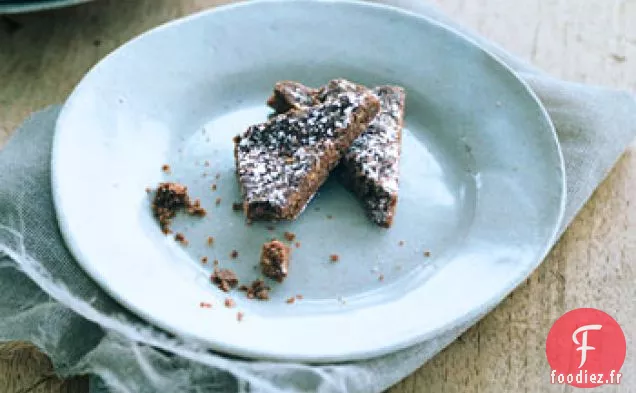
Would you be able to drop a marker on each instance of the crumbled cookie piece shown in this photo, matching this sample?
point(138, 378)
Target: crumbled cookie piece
point(234, 254)
point(256, 290)
point(297, 244)
point(205, 305)
point(224, 279)
point(169, 198)
point(289, 236)
point(204, 260)
point(213, 187)
point(290, 300)
point(401, 243)
point(210, 240)
point(165, 168)
point(334, 258)
point(275, 260)
point(427, 254)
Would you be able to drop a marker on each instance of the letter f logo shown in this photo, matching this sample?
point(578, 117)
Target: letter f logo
point(583, 344)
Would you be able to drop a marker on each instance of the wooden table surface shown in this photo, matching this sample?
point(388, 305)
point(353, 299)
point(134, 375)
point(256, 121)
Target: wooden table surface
point(42, 56)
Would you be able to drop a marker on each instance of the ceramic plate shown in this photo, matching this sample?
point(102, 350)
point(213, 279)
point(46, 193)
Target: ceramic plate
point(16, 7)
point(482, 185)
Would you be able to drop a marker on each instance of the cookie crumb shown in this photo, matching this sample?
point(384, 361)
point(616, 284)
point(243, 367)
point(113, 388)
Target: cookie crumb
point(204, 260)
point(165, 168)
point(205, 305)
point(381, 277)
point(229, 302)
point(224, 279)
point(213, 187)
point(195, 209)
point(275, 260)
point(180, 237)
point(217, 176)
point(218, 201)
point(234, 254)
point(215, 262)
point(427, 254)
point(297, 244)
point(291, 300)
point(299, 297)
point(401, 243)
point(256, 290)
point(334, 258)
point(289, 236)
point(237, 206)
point(239, 316)
point(210, 240)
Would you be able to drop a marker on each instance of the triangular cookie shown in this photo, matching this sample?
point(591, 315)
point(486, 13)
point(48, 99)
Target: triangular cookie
point(282, 163)
point(370, 168)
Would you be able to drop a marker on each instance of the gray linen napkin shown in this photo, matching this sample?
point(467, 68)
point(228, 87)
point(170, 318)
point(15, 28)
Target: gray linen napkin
point(47, 299)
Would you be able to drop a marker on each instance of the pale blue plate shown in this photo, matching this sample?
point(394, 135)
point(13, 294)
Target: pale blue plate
point(482, 184)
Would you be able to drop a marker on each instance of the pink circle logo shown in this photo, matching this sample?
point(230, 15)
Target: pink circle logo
point(586, 348)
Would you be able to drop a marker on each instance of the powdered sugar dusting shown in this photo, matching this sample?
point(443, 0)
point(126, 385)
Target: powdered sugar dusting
point(274, 157)
point(374, 156)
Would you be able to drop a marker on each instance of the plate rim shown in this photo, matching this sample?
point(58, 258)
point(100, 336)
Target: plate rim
point(34, 6)
point(468, 318)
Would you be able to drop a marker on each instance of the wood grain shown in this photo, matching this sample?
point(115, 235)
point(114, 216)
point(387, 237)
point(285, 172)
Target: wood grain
point(42, 57)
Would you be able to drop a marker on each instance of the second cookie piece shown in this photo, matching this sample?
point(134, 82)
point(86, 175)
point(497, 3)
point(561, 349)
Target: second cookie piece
point(371, 166)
